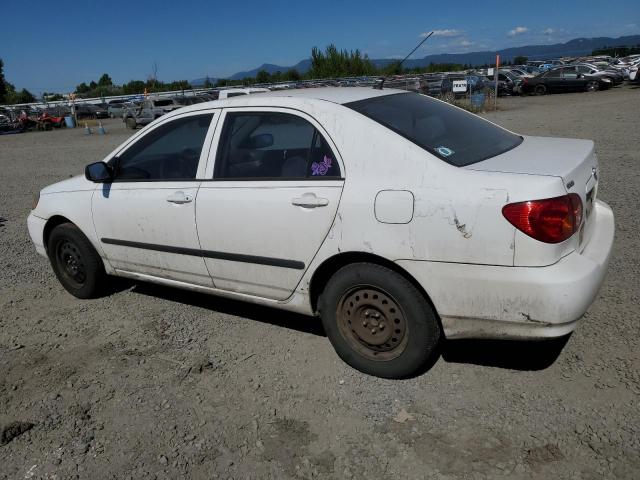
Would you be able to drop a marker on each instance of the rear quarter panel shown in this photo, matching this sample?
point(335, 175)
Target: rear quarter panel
point(457, 212)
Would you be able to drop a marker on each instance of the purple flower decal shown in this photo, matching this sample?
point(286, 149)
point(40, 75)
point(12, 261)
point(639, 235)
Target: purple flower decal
point(321, 168)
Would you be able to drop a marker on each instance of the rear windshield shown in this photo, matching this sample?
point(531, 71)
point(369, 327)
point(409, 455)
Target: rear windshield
point(455, 136)
point(162, 103)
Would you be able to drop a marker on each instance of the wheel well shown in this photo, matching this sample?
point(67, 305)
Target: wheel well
point(52, 223)
point(330, 266)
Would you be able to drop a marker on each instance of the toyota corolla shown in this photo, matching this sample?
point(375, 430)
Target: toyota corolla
point(399, 219)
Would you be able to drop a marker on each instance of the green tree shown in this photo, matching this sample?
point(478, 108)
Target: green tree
point(207, 82)
point(263, 77)
point(3, 84)
point(339, 63)
point(93, 85)
point(105, 80)
point(82, 88)
point(520, 60)
point(292, 75)
point(133, 87)
point(23, 96)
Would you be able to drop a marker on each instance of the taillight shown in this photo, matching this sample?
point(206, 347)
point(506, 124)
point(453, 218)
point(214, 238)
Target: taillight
point(551, 220)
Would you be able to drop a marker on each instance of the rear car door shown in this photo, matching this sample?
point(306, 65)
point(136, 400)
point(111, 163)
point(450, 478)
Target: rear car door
point(553, 80)
point(271, 198)
point(145, 218)
point(571, 80)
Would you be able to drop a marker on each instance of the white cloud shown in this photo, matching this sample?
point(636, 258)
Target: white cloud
point(548, 31)
point(466, 43)
point(518, 31)
point(446, 32)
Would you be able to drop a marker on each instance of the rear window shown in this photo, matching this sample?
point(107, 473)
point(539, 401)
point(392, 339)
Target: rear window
point(455, 136)
point(162, 103)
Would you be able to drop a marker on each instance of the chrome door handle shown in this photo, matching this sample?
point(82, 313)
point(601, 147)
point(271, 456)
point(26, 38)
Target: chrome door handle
point(179, 198)
point(309, 200)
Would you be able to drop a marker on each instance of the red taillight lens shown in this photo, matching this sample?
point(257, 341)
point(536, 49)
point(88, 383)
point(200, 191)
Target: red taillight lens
point(551, 220)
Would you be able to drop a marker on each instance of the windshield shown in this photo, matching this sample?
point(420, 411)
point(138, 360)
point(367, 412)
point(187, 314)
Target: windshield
point(453, 135)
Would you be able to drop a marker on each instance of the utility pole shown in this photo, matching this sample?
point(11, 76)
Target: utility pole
point(495, 100)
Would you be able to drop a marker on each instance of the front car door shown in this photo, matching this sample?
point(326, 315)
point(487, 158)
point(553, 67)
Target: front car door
point(145, 218)
point(272, 197)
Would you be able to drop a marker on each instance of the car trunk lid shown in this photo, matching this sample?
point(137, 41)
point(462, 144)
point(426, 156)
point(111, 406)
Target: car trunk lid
point(573, 160)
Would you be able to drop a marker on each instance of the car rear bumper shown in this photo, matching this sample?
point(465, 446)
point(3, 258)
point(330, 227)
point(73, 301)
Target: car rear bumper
point(483, 301)
point(36, 232)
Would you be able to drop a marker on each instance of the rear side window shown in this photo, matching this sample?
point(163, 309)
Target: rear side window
point(278, 146)
point(169, 152)
point(455, 136)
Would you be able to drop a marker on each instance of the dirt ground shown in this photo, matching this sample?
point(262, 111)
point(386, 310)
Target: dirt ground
point(151, 382)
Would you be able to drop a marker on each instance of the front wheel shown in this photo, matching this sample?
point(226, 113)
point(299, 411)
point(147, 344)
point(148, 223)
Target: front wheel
point(75, 262)
point(379, 322)
point(541, 89)
point(131, 123)
point(592, 86)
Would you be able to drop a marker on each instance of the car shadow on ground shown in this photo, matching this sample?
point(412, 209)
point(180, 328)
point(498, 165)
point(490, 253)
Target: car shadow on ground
point(508, 354)
point(271, 316)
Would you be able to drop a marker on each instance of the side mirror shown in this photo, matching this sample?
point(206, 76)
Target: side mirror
point(98, 172)
point(262, 140)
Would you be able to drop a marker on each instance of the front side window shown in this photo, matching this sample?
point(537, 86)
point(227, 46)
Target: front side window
point(271, 145)
point(569, 73)
point(169, 152)
point(455, 136)
point(553, 74)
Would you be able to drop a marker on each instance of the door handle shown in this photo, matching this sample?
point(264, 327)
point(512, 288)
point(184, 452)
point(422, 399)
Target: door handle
point(309, 200)
point(179, 198)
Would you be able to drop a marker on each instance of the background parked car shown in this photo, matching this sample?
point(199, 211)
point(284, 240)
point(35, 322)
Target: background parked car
point(148, 110)
point(116, 109)
point(563, 79)
point(590, 69)
point(90, 111)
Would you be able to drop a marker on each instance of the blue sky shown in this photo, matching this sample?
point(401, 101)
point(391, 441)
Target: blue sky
point(54, 46)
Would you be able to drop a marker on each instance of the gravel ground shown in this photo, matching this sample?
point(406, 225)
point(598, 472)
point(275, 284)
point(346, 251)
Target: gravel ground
point(156, 383)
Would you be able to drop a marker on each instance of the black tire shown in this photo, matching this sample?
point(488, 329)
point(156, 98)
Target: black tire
point(360, 293)
point(75, 262)
point(540, 89)
point(131, 123)
point(592, 86)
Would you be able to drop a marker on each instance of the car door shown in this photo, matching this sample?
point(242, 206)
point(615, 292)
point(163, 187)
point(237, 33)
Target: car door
point(145, 218)
point(553, 80)
point(571, 80)
point(272, 197)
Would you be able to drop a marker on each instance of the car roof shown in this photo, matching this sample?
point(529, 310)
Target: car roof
point(337, 95)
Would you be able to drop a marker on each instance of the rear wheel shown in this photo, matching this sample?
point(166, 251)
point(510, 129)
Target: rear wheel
point(75, 262)
point(378, 322)
point(592, 86)
point(541, 89)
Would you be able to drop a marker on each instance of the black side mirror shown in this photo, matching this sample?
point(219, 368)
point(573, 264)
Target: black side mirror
point(262, 140)
point(98, 172)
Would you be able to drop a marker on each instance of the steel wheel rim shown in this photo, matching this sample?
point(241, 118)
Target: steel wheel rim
point(373, 323)
point(591, 86)
point(71, 263)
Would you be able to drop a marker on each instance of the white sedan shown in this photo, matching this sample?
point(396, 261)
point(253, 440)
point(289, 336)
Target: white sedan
point(397, 218)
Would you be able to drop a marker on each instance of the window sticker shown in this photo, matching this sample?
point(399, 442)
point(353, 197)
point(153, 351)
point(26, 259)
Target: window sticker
point(321, 168)
point(444, 151)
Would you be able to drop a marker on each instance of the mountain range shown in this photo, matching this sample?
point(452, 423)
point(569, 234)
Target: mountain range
point(575, 47)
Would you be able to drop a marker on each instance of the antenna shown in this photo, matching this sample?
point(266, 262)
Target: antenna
point(381, 85)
